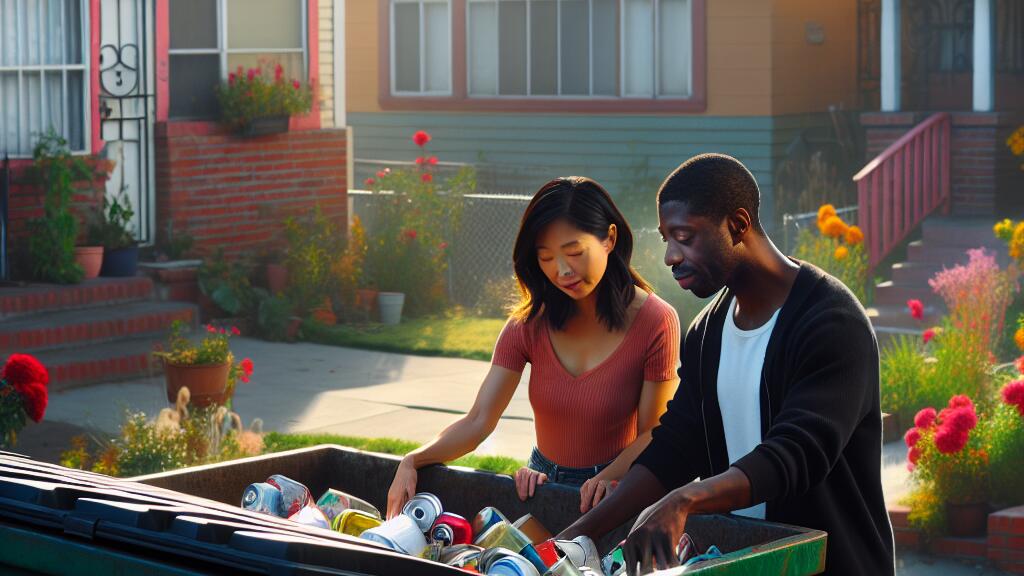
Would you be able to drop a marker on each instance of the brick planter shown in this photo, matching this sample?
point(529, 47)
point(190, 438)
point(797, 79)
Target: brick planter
point(1006, 539)
point(1003, 546)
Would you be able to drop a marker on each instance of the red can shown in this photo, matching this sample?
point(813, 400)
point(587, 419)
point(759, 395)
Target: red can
point(450, 529)
point(546, 551)
point(294, 495)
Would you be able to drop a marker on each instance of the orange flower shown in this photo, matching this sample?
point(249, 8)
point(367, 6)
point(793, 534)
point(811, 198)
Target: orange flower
point(1018, 338)
point(854, 236)
point(834, 227)
point(825, 212)
point(841, 253)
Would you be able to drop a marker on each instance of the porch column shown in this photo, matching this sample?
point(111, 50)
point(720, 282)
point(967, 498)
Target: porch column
point(891, 69)
point(984, 83)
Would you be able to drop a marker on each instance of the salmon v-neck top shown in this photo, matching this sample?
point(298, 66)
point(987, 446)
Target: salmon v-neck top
point(589, 419)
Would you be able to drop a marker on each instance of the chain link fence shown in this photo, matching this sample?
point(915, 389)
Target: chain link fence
point(793, 224)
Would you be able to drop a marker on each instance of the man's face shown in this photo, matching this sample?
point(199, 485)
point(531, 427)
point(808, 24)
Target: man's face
point(699, 250)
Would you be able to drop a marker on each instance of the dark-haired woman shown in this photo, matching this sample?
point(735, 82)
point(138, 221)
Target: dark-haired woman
point(602, 349)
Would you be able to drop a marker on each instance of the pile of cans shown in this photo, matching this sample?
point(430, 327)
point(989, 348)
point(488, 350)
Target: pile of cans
point(489, 544)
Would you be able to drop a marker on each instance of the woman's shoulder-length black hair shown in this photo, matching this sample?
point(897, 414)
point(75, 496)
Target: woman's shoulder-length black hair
point(588, 207)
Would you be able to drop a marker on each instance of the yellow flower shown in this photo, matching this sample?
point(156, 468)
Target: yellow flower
point(1017, 242)
point(841, 253)
point(834, 227)
point(854, 236)
point(825, 212)
point(1004, 229)
point(1018, 338)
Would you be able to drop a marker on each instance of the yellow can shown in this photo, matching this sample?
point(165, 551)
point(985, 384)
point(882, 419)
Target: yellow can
point(354, 522)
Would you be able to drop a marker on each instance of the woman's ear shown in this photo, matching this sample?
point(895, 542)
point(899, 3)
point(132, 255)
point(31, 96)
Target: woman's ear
point(613, 234)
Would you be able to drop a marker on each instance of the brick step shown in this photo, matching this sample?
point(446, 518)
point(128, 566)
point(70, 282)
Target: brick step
point(961, 232)
point(101, 363)
point(891, 294)
point(36, 298)
point(899, 317)
point(914, 273)
point(68, 328)
point(942, 255)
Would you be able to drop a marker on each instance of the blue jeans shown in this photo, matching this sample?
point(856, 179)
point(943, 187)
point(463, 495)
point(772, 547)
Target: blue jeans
point(563, 474)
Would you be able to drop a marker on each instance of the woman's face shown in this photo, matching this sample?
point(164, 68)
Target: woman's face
point(574, 261)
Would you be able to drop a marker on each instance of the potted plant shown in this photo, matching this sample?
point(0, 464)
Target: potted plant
point(206, 367)
point(260, 101)
point(113, 231)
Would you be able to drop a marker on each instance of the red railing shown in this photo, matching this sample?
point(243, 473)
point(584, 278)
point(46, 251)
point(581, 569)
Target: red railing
point(903, 185)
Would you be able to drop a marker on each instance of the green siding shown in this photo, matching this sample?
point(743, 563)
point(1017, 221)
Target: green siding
point(612, 149)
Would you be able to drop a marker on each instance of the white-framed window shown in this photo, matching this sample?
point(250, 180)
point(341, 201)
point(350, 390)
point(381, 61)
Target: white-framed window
point(209, 39)
point(579, 48)
point(44, 48)
point(421, 47)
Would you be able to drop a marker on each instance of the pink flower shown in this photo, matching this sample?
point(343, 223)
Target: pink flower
point(235, 331)
point(427, 177)
point(443, 245)
point(1013, 394)
point(928, 335)
point(410, 234)
point(420, 161)
point(278, 72)
point(381, 174)
point(211, 329)
point(950, 440)
point(432, 160)
point(913, 455)
point(916, 309)
point(231, 79)
point(925, 418)
point(912, 436)
point(420, 138)
point(251, 74)
point(369, 182)
point(296, 85)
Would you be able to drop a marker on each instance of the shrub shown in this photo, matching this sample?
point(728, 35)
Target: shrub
point(315, 243)
point(259, 93)
point(1006, 445)
point(836, 248)
point(497, 297)
point(902, 371)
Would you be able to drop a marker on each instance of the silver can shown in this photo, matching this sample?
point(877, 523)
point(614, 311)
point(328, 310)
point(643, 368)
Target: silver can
point(423, 508)
point(263, 498)
point(564, 567)
point(401, 534)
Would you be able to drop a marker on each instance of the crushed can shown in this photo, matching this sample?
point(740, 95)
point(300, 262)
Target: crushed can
point(450, 529)
point(491, 555)
point(294, 495)
point(564, 567)
point(502, 535)
point(547, 552)
point(333, 502)
point(581, 550)
point(533, 528)
point(354, 522)
point(263, 498)
point(486, 518)
point(614, 564)
point(512, 566)
point(424, 508)
point(461, 555)
point(400, 534)
point(311, 516)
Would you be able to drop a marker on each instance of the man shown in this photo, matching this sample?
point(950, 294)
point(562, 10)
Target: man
point(777, 410)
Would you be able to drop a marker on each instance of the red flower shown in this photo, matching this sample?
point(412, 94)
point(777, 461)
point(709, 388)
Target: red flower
point(29, 378)
point(410, 234)
point(421, 138)
point(913, 455)
point(925, 418)
point(928, 335)
point(235, 331)
point(381, 174)
point(369, 182)
point(296, 85)
point(916, 309)
point(961, 401)
point(950, 440)
point(34, 400)
point(427, 177)
point(231, 79)
point(443, 245)
point(251, 74)
point(420, 161)
point(962, 419)
point(1013, 394)
point(246, 366)
point(432, 160)
point(911, 437)
point(211, 329)
point(278, 72)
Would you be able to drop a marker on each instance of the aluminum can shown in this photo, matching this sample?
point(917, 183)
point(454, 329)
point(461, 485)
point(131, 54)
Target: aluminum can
point(451, 529)
point(530, 553)
point(504, 535)
point(614, 563)
point(354, 522)
point(490, 556)
point(486, 518)
point(263, 498)
point(514, 565)
point(401, 534)
point(564, 567)
point(547, 551)
point(461, 555)
point(334, 502)
point(311, 516)
point(533, 528)
point(294, 495)
point(424, 508)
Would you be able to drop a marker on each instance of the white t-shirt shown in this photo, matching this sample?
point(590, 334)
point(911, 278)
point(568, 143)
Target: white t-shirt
point(739, 389)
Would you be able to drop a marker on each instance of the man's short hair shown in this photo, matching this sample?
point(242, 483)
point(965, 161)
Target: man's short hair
point(713, 186)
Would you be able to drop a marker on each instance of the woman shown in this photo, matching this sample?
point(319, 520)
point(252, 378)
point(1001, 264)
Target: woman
point(603, 351)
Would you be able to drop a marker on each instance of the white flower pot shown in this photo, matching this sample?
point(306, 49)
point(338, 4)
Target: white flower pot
point(390, 307)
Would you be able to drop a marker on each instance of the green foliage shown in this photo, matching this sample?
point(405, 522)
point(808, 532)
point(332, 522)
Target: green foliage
point(227, 284)
point(176, 245)
point(927, 511)
point(112, 229)
point(272, 315)
point(51, 240)
point(902, 370)
point(1005, 431)
point(454, 336)
point(12, 415)
point(314, 245)
point(497, 297)
point(259, 93)
point(141, 450)
point(850, 267)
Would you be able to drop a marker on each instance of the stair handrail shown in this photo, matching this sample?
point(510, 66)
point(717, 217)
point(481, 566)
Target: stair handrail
point(903, 185)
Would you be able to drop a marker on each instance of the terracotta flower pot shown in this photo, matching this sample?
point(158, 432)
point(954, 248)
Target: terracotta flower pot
point(970, 519)
point(90, 258)
point(366, 302)
point(325, 313)
point(277, 278)
point(294, 323)
point(208, 383)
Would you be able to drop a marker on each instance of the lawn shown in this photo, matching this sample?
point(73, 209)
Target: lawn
point(278, 442)
point(456, 336)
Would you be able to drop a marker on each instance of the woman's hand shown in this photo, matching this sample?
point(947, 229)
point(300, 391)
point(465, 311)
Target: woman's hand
point(527, 481)
point(595, 490)
point(403, 488)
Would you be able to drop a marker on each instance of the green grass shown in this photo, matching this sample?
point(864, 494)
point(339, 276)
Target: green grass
point(279, 442)
point(456, 337)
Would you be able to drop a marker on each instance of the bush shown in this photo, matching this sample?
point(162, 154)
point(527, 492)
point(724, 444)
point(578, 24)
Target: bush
point(497, 297)
point(314, 246)
point(902, 371)
point(259, 93)
point(838, 249)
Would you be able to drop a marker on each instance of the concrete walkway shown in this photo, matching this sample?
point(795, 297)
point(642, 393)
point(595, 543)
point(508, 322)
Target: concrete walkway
point(312, 388)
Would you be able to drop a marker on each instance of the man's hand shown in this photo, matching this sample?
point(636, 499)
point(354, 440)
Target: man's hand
point(652, 542)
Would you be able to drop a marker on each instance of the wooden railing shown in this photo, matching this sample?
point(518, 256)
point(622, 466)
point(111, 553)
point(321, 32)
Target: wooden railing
point(903, 185)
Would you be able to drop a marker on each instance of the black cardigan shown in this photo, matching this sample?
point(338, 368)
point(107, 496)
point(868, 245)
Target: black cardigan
point(819, 463)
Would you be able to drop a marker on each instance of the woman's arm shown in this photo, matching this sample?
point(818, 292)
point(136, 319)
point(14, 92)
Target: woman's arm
point(654, 397)
point(459, 438)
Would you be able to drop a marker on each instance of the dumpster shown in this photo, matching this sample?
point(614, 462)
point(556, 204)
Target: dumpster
point(189, 521)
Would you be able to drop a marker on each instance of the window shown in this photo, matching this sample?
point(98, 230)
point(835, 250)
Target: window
point(420, 47)
point(579, 48)
point(211, 38)
point(43, 52)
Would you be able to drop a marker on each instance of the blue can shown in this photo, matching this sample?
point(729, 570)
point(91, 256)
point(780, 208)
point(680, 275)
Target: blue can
point(512, 566)
point(485, 519)
point(263, 498)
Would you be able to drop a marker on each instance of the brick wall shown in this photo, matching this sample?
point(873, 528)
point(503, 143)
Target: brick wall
point(234, 193)
point(979, 156)
point(25, 202)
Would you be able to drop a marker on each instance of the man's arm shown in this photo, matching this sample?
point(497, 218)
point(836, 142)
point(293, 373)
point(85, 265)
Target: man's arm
point(637, 490)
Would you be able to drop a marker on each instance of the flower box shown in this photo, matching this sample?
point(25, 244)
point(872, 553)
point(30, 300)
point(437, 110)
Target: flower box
point(265, 126)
